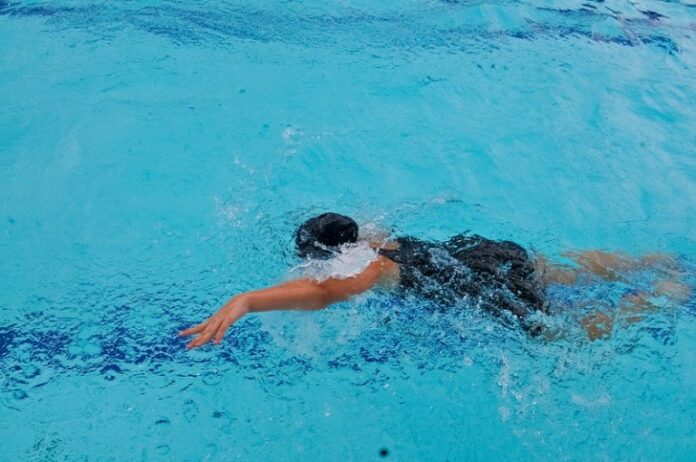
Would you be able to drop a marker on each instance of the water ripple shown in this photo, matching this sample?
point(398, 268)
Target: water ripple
point(186, 25)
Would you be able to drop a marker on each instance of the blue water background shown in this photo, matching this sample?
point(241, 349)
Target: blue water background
point(155, 158)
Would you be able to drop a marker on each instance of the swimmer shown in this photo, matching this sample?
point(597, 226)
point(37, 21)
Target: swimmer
point(498, 276)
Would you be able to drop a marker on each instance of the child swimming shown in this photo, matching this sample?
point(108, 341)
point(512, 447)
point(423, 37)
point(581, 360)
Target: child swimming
point(497, 276)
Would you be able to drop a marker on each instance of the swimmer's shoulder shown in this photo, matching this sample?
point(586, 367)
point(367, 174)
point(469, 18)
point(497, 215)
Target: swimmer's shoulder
point(389, 272)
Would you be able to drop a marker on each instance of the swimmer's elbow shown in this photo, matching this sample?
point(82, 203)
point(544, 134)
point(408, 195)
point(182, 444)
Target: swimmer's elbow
point(329, 294)
point(315, 296)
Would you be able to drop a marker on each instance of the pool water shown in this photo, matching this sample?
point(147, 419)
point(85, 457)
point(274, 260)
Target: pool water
point(156, 156)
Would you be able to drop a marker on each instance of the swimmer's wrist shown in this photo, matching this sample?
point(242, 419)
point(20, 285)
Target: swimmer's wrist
point(243, 301)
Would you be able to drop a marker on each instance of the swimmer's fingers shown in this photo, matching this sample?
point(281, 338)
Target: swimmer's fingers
point(221, 332)
point(229, 320)
point(205, 336)
point(193, 330)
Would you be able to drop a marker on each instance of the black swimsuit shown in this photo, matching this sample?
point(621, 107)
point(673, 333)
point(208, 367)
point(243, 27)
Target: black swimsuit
point(499, 275)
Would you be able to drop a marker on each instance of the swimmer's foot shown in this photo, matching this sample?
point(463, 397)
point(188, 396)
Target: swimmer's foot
point(676, 292)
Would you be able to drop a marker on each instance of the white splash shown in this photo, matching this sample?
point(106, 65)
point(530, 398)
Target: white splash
point(504, 375)
point(373, 232)
point(350, 261)
point(291, 135)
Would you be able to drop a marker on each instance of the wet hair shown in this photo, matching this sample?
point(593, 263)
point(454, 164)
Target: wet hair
point(321, 236)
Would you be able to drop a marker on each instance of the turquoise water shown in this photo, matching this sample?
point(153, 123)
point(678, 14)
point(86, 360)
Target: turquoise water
point(155, 158)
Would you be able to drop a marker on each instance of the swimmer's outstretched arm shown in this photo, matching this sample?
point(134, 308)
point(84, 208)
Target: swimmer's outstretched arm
point(301, 294)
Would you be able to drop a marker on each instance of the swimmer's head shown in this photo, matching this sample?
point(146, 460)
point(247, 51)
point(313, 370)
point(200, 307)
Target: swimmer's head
point(321, 236)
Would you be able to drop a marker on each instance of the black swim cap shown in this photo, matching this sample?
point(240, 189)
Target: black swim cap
point(320, 236)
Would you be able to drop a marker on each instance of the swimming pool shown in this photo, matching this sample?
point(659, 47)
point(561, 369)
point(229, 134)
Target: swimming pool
point(156, 157)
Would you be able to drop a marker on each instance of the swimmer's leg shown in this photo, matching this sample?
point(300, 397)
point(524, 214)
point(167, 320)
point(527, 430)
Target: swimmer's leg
point(553, 273)
point(606, 265)
point(633, 308)
point(609, 265)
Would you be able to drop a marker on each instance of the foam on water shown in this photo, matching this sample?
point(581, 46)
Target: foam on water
point(350, 261)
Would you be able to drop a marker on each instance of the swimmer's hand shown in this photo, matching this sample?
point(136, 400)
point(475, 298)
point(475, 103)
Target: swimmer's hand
point(214, 327)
